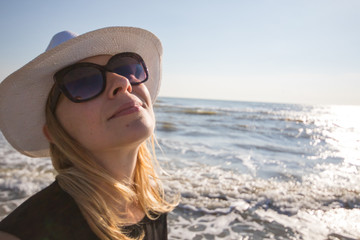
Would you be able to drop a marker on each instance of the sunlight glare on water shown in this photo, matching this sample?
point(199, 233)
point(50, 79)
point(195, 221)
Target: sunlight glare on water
point(345, 132)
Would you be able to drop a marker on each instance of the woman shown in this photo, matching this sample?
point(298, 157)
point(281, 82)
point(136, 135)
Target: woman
point(90, 97)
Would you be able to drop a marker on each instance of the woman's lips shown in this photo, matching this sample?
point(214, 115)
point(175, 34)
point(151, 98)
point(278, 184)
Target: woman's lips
point(127, 108)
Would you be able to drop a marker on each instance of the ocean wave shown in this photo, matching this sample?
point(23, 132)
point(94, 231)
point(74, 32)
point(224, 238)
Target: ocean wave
point(197, 111)
point(273, 148)
point(286, 209)
point(166, 126)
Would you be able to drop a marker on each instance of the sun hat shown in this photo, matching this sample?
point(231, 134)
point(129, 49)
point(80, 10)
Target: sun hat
point(23, 94)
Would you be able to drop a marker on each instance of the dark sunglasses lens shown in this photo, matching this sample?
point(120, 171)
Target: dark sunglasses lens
point(128, 67)
point(83, 83)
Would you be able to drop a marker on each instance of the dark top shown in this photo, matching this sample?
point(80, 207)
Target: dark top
point(52, 214)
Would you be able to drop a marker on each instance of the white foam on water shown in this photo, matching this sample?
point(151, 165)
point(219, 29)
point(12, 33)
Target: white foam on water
point(20, 177)
point(318, 224)
point(218, 203)
point(207, 226)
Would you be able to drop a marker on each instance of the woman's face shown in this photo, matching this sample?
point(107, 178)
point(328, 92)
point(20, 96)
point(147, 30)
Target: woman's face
point(122, 116)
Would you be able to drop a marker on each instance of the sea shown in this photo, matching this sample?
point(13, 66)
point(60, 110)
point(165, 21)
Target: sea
point(241, 170)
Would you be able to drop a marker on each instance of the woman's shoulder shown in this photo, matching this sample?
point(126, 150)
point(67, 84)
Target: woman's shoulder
point(6, 236)
point(35, 211)
point(50, 211)
point(46, 202)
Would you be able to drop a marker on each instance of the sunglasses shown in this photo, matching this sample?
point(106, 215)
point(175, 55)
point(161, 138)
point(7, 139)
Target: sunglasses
point(84, 81)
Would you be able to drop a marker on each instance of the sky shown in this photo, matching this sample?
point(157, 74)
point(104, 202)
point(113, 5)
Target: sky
point(287, 51)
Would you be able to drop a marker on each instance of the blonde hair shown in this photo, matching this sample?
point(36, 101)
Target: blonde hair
point(88, 183)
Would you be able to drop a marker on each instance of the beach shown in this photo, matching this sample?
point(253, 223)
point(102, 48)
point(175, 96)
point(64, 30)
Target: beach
point(243, 170)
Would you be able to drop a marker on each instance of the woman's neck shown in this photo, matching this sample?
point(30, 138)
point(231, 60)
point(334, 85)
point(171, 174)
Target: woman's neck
point(120, 163)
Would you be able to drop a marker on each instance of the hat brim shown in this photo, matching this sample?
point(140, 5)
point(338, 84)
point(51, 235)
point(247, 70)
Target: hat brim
point(23, 94)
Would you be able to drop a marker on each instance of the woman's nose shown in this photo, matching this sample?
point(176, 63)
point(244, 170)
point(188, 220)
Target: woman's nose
point(117, 84)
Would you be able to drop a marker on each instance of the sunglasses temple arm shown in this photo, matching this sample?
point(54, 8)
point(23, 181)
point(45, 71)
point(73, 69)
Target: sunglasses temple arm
point(54, 98)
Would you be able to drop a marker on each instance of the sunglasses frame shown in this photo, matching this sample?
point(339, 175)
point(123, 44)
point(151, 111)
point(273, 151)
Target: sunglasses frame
point(59, 86)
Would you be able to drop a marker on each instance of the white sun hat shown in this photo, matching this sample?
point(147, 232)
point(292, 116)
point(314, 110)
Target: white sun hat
point(23, 94)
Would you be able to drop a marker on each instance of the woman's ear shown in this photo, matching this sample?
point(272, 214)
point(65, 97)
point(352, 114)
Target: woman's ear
point(46, 133)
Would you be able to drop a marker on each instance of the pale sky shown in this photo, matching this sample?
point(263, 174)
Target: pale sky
point(289, 51)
